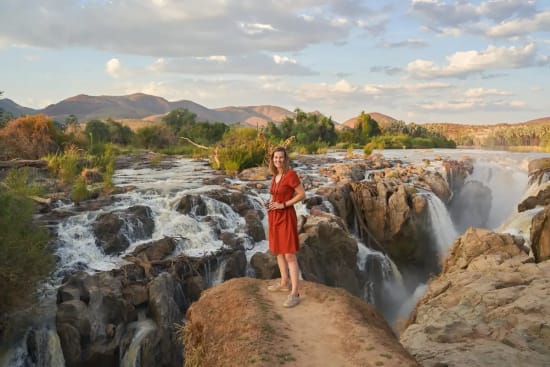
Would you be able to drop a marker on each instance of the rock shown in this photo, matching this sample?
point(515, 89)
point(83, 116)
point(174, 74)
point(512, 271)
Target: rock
point(239, 323)
point(192, 205)
point(487, 308)
point(116, 229)
point(542, 198)
point(255, 174)
point(156, 250)
point(328, 253)
point(265, 265)
point(540, 235)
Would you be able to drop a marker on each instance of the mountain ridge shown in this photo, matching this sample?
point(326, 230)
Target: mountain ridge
point(147, 107)
point(152, 108)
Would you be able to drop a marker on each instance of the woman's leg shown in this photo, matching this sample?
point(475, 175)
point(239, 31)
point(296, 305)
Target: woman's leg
point(294, 271)
point(283, 269)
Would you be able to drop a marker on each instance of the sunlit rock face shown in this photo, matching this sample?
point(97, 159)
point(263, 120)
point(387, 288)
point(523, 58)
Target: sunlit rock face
point(487, 308)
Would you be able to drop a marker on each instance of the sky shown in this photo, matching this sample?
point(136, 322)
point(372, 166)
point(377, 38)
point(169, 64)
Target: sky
point(465, 61)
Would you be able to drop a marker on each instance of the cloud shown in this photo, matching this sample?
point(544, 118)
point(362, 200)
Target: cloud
point(482, 92)
point(472, 104)
point(255, 64)
point(493, 18)
point(517, 27)
point(439, 14)
point(388, 70)
point(344, 90)
point(183, 29)
point(413, 43)
point(113, 67)
point(463, 63)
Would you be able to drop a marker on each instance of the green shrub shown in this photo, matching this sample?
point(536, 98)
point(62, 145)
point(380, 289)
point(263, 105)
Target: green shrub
point(241, 149)
point(80, 190)
point(26, 258)
point(66, 165)
point(369, 147)
point(17, 181)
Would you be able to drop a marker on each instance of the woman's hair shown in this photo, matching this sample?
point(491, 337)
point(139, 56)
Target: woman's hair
point(272, 167)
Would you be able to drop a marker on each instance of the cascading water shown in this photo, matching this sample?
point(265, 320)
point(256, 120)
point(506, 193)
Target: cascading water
point(132, 356)
point(442, 227)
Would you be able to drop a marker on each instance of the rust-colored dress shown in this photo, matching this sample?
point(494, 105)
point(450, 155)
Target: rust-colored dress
point(283, 223)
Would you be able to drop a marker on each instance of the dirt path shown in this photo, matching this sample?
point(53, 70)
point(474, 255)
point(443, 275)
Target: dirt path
point(240, 323)
point(320, 331)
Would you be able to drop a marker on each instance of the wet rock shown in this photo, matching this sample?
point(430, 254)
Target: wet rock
point(192, 205)
point(540, 235)
point(116, 229)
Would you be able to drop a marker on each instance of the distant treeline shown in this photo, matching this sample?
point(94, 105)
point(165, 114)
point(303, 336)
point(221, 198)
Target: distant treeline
point(503, 136)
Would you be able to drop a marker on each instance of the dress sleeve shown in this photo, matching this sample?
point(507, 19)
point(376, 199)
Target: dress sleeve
point(293, 179)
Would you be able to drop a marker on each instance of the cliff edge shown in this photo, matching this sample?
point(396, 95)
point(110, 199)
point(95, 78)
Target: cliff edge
point(240, 323)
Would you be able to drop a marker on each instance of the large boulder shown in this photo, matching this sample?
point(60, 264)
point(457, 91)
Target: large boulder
point(115, 231)
point(487, 308)
point(328, 253)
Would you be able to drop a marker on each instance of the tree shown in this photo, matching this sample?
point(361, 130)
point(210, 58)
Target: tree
point(71, 120)
point(179, 118)
point(97, 132)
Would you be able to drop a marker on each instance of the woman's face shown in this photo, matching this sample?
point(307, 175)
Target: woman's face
point(279, 159)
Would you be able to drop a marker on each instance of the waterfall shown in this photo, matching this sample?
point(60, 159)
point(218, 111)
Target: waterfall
point(507, 185)
point(519, 224)
point(442, 226)
point(38, 348)
point(132, 357)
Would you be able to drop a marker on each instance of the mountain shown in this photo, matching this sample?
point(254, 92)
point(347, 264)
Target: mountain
point(147, 107)
point(382, 120)
point(16, 110)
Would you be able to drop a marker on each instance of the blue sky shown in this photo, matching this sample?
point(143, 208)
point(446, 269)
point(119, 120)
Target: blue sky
point(418, 61)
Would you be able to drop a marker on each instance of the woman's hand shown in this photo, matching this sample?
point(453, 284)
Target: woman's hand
point(275, 206)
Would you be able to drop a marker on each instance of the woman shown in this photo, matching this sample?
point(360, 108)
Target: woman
point(286, 190)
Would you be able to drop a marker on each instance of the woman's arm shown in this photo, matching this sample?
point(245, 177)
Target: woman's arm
point(299, 195)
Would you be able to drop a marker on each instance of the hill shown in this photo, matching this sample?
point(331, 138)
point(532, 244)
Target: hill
point(382, 120)
point(140, 106)
point(10, 106)
point(240, 323)
point(531, 132)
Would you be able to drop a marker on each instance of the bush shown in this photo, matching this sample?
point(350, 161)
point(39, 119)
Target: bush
point(26, 258)
point(29, 137)
point(80, 190)
point(66, 165)
point(241, 149)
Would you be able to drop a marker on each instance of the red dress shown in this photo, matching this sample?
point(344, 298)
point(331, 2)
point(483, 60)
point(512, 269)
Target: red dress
point(283, 223)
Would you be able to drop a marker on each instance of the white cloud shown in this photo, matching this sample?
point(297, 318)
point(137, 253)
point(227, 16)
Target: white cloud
point(472, 104)
point(218, 58)
point(482, 92)
point(283, 59)
point(113, 67)
point(517, 27)
point(256, 64)
point(256, 28)
point(467, 62)
point(183, 28)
